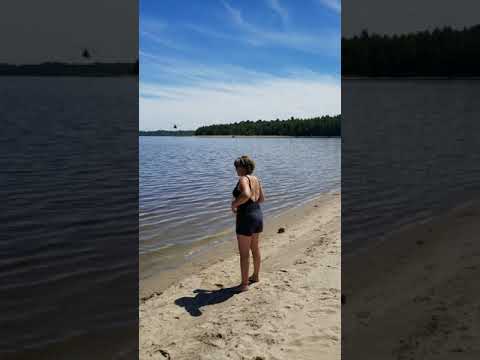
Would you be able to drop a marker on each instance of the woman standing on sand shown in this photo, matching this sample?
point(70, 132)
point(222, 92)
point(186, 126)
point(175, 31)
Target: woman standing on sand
point(248, 194)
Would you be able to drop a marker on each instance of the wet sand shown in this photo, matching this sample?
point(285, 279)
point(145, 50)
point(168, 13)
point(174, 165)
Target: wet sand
point(292, 313)
point(418, 295)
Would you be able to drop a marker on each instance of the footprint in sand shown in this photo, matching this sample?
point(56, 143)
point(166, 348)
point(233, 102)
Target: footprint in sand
point(299, 262)
point(156, 351)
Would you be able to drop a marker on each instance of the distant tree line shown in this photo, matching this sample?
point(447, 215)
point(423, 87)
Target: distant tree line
point(441, 52)
point(318, 126)
point(64, 69)
point(167, 133)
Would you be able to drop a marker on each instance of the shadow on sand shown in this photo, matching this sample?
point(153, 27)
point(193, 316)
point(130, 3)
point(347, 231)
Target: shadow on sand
point(204, 298)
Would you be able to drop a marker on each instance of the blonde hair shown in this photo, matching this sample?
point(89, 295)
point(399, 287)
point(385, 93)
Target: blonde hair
point(246, 163)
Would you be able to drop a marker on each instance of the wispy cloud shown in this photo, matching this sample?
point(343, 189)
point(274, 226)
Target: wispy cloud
point(279, 9)
point(182, 81)
point(335, 5)
point(228, 93)
point(277, 98)
point(161, 33)
point(326, 43)
point(184, 72)
point(164, 41)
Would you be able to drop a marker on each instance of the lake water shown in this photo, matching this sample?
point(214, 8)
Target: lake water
point(186, 185)
point(70, 200)
point(409, 152)
point(69, 217)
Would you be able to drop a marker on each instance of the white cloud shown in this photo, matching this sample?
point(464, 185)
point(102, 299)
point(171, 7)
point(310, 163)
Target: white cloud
point(335, 5)
point(300, 94)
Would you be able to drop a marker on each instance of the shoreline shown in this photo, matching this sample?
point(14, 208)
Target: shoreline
point(245, 136)
point(417, 294)
point(207, 254)
point(201, 317)
point(266, 136)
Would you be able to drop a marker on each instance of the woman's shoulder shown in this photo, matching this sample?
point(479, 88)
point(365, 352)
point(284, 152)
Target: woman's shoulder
point(247, 179)
point(243, 179)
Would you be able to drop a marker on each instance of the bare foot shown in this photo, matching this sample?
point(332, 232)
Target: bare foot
point(242, 288)
point(253, 279)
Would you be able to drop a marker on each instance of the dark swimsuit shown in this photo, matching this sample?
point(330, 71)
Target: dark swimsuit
point(249, 215)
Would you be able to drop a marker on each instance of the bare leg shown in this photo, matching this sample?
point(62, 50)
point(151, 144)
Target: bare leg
point(244, 249)
point(254, 246)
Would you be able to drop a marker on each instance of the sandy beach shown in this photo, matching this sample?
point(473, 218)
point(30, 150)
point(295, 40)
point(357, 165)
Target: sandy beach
point(417, 296)
point(292, 313)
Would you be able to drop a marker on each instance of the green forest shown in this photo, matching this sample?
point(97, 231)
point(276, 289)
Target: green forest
point(317, 126)
point(441, 52)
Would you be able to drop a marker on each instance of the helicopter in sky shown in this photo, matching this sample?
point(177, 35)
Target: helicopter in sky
point(86, 54)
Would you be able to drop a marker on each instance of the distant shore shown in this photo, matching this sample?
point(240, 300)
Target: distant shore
point(320, 126)
point(243, 136)
point(262, 136)
point(279, 317)
point(53, 69)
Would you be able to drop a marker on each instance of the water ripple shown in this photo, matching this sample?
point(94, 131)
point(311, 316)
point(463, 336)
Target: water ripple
point(186, 183)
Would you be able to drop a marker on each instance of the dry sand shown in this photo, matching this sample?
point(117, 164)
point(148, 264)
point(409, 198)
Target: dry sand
point(292, 313)
point(417, 295)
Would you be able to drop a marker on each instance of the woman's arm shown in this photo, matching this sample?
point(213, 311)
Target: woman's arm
point(261, 197)
point(244, 193)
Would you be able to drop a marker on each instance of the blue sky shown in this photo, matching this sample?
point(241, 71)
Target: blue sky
point(220, 61)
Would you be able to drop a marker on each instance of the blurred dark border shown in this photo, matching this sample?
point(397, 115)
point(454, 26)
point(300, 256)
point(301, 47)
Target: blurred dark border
point(69, 159)
point(409, 163)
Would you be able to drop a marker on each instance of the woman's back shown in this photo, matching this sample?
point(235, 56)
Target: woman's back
point(255, 188)
point(255, 191)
